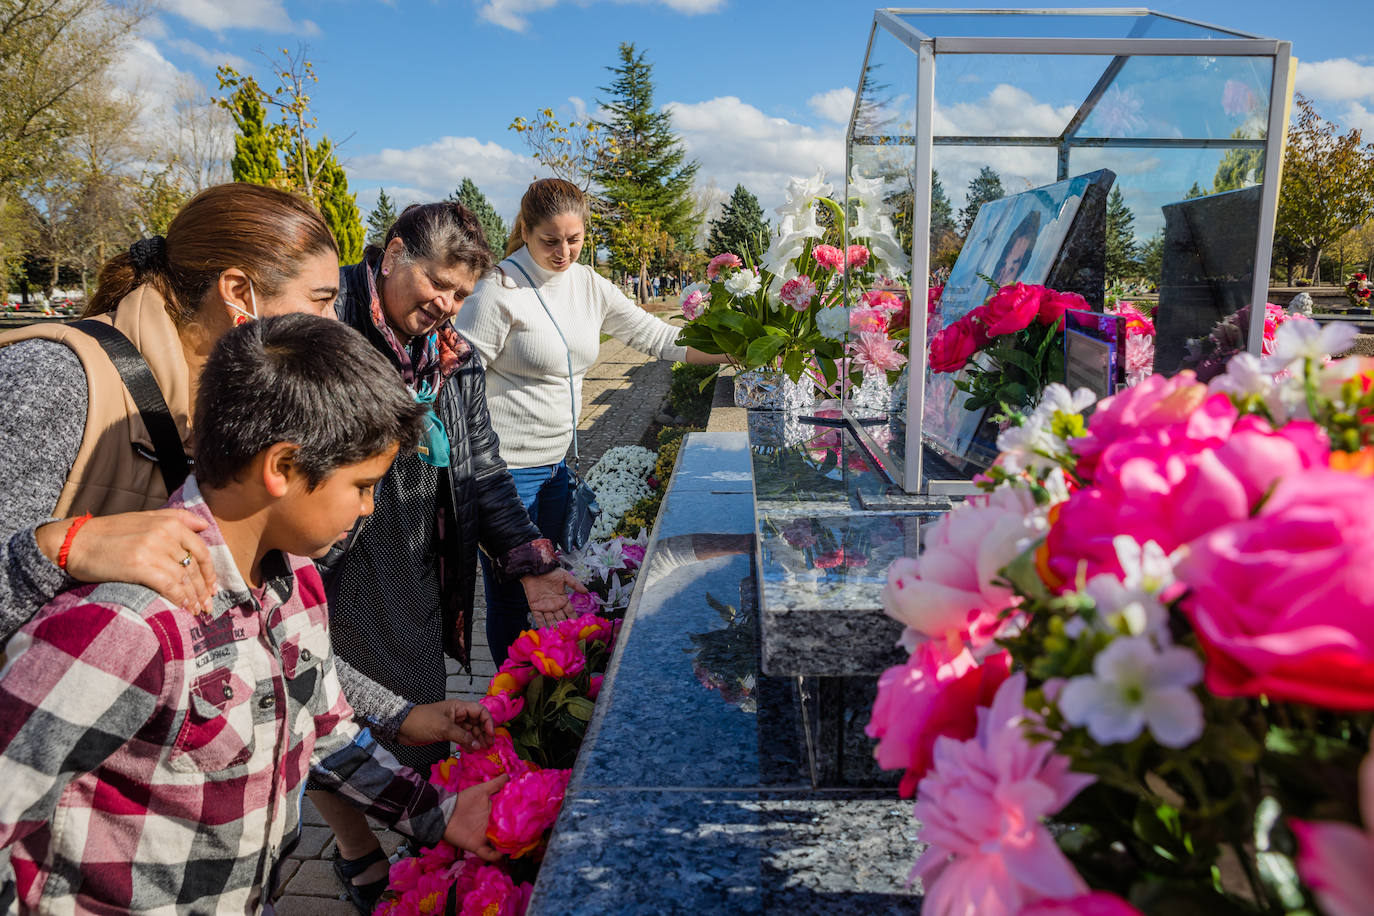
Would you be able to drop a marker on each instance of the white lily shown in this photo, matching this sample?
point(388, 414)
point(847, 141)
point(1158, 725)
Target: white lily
point(1299, 340)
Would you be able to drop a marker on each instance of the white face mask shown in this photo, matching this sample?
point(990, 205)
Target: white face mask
point(244, 315)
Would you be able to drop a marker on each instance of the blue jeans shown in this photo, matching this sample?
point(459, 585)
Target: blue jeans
point(544, 491)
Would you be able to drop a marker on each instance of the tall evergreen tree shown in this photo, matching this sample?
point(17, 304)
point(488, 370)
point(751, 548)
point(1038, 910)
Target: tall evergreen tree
point(987, 186)
point(1121, 245)
point(647, 176)
point(1152, 256)
point(257, 149)
point(493, 226)
point(380, 219)
point(338, 207)
point(1195, 191)
point(740, 228)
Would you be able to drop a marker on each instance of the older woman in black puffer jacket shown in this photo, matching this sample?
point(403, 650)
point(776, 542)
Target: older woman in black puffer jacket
point(401, 588)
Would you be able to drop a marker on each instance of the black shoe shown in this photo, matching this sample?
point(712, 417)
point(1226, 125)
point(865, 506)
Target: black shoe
point(364, 897)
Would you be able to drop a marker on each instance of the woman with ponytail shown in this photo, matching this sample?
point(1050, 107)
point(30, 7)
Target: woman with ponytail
point(528, 352)
point(71, 432)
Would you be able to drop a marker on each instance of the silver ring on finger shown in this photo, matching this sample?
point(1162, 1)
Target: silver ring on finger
point(186, 560)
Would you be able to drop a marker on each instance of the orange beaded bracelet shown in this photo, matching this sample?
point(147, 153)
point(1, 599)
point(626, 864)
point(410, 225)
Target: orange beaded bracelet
point(67, 541)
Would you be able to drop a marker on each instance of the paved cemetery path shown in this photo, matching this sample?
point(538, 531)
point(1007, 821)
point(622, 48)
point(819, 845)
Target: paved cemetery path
point(621, 394)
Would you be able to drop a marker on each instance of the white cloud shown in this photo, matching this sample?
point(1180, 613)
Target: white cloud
point(513, 14)
point(217, 16)
point(737, 143)
point(835, 105)
point(143, 73)
point(208, 57)
point(1006, 111)
point(434, 170)
point(1337, 80)
point(1360, 117)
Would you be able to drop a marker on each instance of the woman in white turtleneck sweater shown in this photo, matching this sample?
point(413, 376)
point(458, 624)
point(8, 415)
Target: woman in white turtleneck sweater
point(527, 362)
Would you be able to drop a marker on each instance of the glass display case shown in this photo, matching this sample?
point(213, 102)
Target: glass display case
point(1185, 121)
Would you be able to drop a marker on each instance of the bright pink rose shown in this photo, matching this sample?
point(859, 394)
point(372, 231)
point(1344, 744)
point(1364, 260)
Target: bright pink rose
point(950, 588)
point(493, 894)
point(1011, 309)
point(1158, 402)
point(856, 256)
point(1098, 903)
point(1054, 304)
point(797, 293)
point(1283, 603)
point(931, 695)
point(560, 659)
point(503, 707)
point(721, 262)
point(525, 807)
point(982, 808)
point(829, 256)
point(1336, 860)
point(952, 346)
point(694, 303)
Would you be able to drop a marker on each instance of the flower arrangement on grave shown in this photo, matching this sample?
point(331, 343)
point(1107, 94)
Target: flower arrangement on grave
point(1142, 662)
point(724, 659)
point(541, 700)
point(1009, 348)
point(788, 311)
point(1209, 356)
point(608, 569)
point(1358, 290)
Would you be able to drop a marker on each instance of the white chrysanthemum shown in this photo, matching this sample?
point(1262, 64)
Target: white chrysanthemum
point(1134, 686)
point(833, 322)
point(743, 283)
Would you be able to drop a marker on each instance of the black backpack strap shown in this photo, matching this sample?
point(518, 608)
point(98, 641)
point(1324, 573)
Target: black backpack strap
point(152, 407)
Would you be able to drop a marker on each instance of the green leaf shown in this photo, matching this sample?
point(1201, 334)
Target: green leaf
point(580, 708)
point(1018, 359)
point(762, 351)
point(792, 364)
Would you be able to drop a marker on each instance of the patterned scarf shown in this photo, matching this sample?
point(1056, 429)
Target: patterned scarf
point(427, 360)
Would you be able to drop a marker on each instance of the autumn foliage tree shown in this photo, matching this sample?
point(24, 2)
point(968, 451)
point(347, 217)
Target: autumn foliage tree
point(1328, 185)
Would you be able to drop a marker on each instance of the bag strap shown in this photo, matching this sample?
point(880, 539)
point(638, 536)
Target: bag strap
point(572, 393)
point(152, 407)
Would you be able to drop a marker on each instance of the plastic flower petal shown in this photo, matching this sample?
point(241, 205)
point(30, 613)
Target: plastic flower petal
point(525, 808)
point(743, 283)
point(1134, 686)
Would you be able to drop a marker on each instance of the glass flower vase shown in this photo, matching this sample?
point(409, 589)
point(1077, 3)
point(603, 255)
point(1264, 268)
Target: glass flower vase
point(771, 389)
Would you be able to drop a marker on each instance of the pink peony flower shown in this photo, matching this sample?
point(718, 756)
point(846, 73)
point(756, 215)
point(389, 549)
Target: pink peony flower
point(876, 352)
point(588, 603)
point(867, 319)
point(1097, 903)
point(588, 627)
point(503, 707)
point(511, 677)
point(952, 346)
point(1011, 309)
point(1282, 602)
point(829, 256)
point(478, 766)
point(797, 293)
point(1336, 860)
point(694, 303)
point(524, 647)
point(525, 808)
point(856, 256)
point(1137, 322)
point(1156, 403)
point(930, 696)
point(949, 589)
point(722, 262)
point(559, 658)
point(884, 299)
point(493, 894)
point(981, 809)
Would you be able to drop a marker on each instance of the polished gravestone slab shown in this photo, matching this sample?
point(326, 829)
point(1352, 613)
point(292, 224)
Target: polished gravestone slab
point(705, 785)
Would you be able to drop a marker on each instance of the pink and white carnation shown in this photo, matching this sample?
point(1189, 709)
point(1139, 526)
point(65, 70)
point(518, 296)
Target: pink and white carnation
point(797, 293)
point(982, 808)
point(695, 298)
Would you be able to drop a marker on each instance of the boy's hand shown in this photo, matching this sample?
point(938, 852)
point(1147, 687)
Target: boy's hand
point(547, 596)
point(467, 725)
point(467, 829)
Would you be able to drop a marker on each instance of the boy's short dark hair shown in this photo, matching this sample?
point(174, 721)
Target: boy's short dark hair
point(304, 379)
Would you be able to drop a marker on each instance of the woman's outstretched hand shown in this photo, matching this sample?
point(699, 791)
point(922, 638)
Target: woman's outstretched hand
point(145, 548)
point(547, 596)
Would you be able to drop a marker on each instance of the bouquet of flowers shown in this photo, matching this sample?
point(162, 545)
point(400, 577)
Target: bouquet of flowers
point(1155, 628)
point(608, 569)
point(723, 660)
point(1208, 357)
point(541, 700)
point(1010, 347)
point(789, 311)
point(1140, 336)
point(1358, 290)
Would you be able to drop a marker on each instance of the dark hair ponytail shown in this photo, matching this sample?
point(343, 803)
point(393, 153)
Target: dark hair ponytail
point(543, 200)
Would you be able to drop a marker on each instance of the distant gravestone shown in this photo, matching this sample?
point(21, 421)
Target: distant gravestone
point(1207, 271)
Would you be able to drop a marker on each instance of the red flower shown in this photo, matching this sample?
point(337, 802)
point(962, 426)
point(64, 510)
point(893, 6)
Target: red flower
point(952, 346)
point(1012, 308)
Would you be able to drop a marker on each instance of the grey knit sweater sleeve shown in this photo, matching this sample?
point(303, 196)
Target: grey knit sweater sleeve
point(41, 426)
point(374, 705)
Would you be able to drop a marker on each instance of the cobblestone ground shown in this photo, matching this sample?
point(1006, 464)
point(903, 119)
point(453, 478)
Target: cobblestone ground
point(621, 394)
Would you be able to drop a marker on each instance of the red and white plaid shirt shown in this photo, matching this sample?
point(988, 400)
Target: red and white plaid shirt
point(152, 759)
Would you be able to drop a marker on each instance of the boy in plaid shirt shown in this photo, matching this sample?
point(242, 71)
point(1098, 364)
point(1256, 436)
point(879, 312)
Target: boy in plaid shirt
point(152, 757)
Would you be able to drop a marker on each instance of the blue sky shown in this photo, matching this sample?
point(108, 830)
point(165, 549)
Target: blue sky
point(420, 92)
